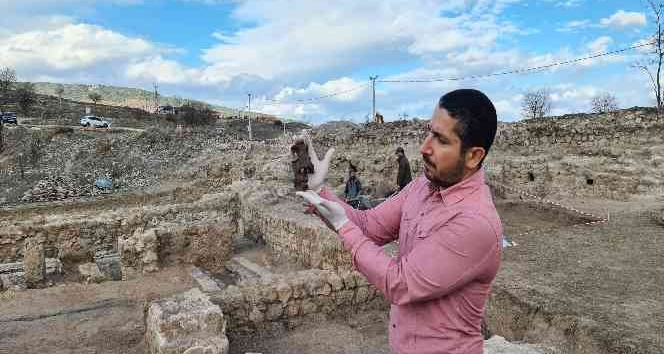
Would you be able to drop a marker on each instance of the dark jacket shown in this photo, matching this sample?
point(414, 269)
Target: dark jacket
point(353, 188)
point(403, 177)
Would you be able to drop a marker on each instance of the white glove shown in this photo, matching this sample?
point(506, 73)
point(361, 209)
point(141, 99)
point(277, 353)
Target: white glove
point(331, 211)
point(317, 179)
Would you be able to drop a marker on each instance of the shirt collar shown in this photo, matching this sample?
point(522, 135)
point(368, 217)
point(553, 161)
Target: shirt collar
point(459, 191)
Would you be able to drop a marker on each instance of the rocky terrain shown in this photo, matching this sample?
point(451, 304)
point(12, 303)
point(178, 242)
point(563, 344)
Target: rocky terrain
point(580, 197)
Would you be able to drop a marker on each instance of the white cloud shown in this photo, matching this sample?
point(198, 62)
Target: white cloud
point(569, 3)
point(601, 44)
point(298, 49)
point(163, 70)
point(351, 90)
point(288, 40)
point(70, 47)
point(623, 19)
point(574, 26)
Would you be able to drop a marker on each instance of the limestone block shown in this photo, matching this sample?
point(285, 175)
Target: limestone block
point(350, 281)
point(335, 281)
point(140, 250)
point(362, 294)
point(326, 304)
point(256, 315)
point(14, 281)
point(212, 246)
point(344, 297)
point(205, 281)
point(109, 264)
point(186, 323)
point(90, 273)
point(253, 295)
point(299, 287)
point(274, 311)
point(34, 261)
point(316, 286)
point(284, 292)
point(308, 307)
point(292, 310)
point(498, 345)
point(232, 297)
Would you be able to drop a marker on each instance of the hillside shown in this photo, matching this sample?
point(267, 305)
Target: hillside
point(115, 96)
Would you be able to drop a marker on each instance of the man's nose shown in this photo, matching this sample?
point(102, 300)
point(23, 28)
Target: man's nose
point(425, 149)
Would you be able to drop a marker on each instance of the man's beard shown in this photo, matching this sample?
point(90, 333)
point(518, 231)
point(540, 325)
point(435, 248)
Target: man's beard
point(444, 179)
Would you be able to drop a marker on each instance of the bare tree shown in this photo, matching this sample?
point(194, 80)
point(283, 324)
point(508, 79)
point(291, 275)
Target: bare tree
point(603, 103)
point(536, 104)
point(652, 65)
point(25, 96)
point(94, 97)
point(7, 81)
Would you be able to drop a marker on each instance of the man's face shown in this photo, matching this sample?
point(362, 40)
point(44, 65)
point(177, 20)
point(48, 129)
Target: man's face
point(444, 164)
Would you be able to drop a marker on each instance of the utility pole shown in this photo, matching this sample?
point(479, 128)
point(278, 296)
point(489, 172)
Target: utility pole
point(249, 109)
point(373, 96)
point(156, 96)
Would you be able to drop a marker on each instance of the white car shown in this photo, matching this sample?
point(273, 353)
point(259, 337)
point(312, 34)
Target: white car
point(94, 121)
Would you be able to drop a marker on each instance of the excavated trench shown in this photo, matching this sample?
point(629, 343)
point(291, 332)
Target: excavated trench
point(512, 312)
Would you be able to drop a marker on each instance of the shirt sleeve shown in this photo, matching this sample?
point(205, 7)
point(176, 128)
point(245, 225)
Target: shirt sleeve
point(442, 261)
point(379, 224)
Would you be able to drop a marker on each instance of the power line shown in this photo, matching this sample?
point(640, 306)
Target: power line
point(518, 71)
point(305, 100)
point(271, 102)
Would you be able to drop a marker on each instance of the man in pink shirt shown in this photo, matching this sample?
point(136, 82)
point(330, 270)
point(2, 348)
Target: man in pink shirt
point(448, 231)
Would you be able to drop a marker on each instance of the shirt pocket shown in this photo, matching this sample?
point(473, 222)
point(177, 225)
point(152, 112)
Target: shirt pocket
point(433, 224)
point(408, 222)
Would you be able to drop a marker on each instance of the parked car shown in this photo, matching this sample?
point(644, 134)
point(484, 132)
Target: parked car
point(94, 121)
point(9, 118)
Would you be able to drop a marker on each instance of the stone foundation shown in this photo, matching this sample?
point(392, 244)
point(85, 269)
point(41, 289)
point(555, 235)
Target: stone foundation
point(187, 323)
point(79, 237)
point(34, 262)
point(298, 238)
point(284, 302)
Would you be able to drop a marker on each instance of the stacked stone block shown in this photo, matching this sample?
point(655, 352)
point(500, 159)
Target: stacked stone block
point(187, 323)
point(287, 301)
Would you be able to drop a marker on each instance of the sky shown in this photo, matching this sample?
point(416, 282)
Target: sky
point(311, 60)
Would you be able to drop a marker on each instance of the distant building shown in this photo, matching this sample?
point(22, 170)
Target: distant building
point(167, 109)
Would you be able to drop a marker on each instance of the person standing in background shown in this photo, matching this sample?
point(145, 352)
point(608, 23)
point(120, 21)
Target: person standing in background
point(403, 177)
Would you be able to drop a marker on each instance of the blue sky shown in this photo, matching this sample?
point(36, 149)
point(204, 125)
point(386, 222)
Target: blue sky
point(293, 50)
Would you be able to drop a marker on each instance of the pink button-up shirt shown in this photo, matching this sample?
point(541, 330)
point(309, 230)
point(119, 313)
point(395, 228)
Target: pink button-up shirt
point(449, 253)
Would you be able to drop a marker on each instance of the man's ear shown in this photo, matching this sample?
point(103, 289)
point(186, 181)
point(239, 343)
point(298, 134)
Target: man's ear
point(474, 156)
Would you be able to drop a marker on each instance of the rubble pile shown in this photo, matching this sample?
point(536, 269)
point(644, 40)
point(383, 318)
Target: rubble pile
point(54, 189)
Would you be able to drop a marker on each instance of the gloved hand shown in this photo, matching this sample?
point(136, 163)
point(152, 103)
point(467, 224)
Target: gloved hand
point(329, 210)
point(321, 167)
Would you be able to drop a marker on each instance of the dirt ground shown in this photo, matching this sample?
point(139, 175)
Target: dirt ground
point(364, 334)
point(607, 280)
point(76, 318)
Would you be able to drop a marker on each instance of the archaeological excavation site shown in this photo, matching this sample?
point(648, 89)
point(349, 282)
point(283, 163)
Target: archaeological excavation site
point(202, 246)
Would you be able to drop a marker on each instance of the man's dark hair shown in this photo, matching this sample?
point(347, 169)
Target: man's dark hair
point(476, 118)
